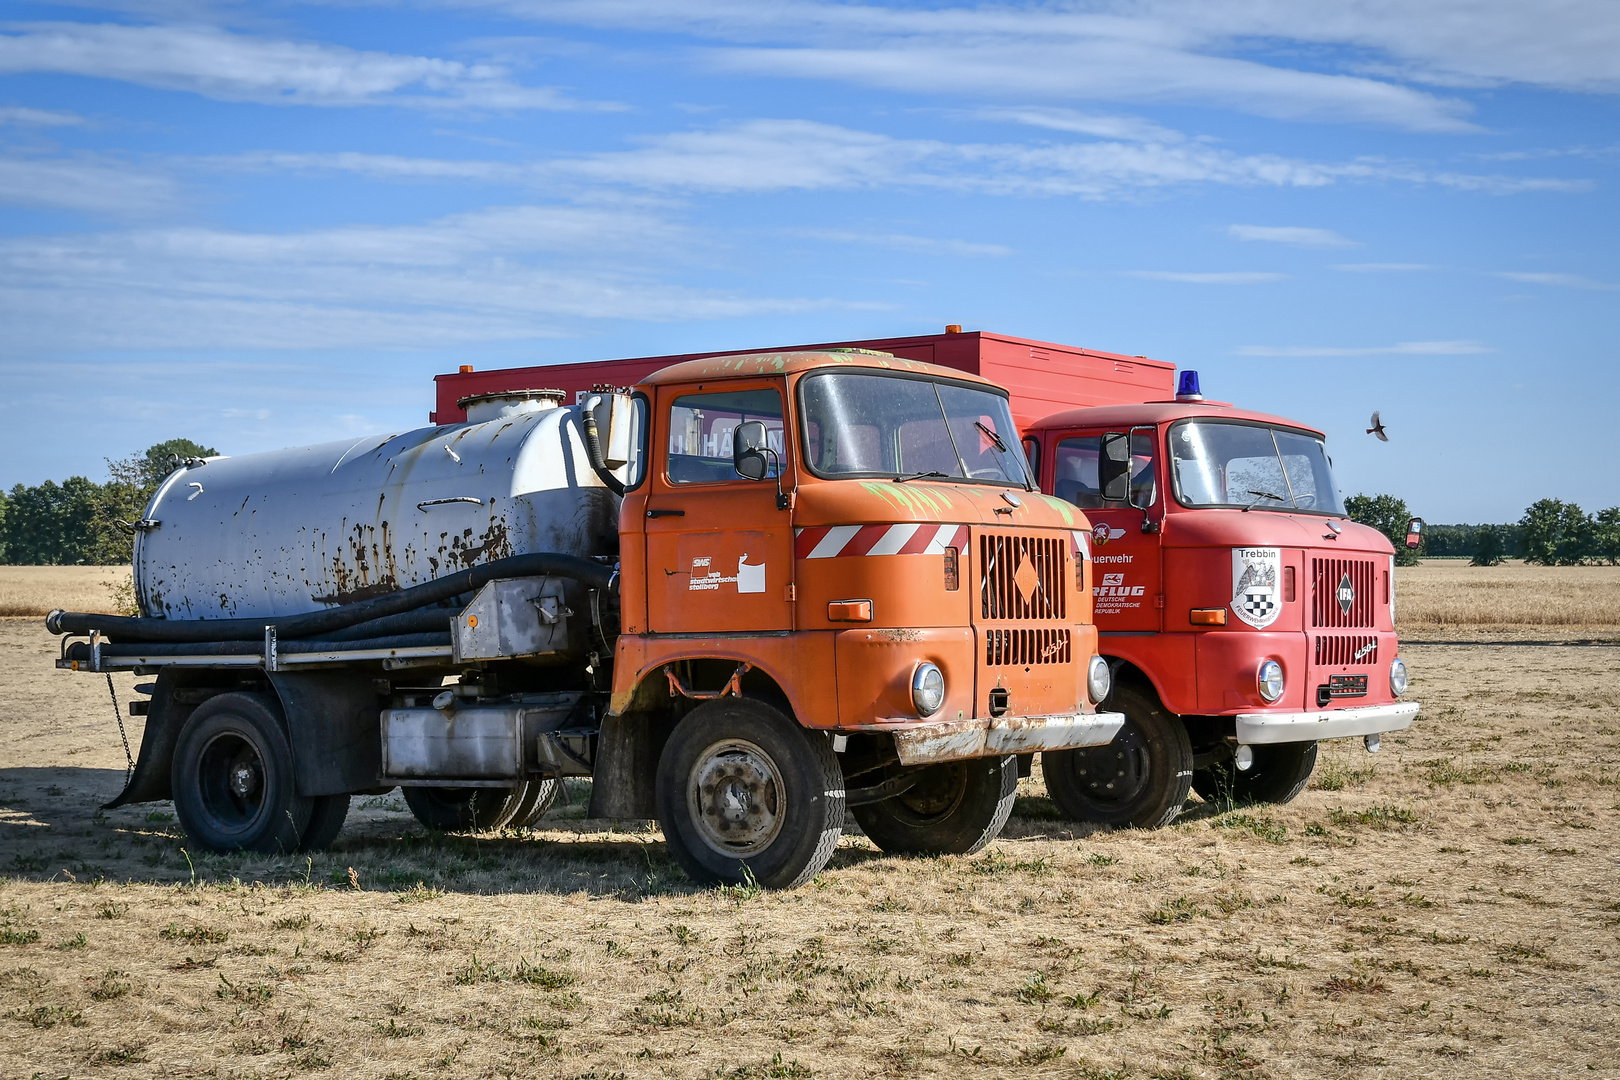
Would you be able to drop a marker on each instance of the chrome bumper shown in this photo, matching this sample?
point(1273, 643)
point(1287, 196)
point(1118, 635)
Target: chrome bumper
point(1258, 728)
point(953, 740)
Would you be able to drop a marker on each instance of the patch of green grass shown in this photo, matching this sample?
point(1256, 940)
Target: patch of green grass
point(1519, 841)
point(1035, 990)
point(1446, 771)
point(1181, 909)
point(49, 1016)
point(12, 936)
point(112, 985)
point(194, 935)
point(417, 894)
point(1335, 775)
point(1383, 817)
point(1354, 983)
point(1263, 827)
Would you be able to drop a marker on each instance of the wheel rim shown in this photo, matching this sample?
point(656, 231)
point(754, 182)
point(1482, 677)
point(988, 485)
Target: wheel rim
point(736, 798)
point(935, 796)
point(1115, 773)
point(232, 774)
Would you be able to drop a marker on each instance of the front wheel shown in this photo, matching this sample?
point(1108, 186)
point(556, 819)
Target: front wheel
point(955, 808)
point(233, 778)
point(1279, 773)
point(744, 790)
point(1139, 780)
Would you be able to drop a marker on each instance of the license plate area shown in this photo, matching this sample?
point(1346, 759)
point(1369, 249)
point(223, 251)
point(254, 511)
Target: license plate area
point(1343, 686)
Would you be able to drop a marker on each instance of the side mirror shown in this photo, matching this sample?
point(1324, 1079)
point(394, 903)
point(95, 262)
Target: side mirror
point(1114, 468)
point(613, 416)
point(748, 450)
point(1414, 533)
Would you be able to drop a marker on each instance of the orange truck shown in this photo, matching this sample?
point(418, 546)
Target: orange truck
point(746, 595)
point(1243, 616)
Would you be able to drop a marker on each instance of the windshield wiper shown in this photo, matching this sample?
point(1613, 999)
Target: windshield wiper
point(920, 476)
point(1262, 495)
point(1001, 447)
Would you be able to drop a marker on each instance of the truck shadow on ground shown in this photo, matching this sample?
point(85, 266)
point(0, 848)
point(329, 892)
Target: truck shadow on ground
point(52, 827)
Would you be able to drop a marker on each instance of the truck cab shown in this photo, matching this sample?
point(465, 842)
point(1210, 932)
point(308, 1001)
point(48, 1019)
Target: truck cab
point(1244, 616)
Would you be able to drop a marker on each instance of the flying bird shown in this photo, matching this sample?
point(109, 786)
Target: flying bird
point(1377, 428)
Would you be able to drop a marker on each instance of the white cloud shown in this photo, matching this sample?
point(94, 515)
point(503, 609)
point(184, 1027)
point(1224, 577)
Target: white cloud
point(1123, 128)
point(1405, 348)
point(1381, 268)
point(87, 185)
point(504, 274)
point(238, 67)
point(1225, 277)
point(916, 245)
point(1565, 281)
point(19, 116)
point(1297, 235)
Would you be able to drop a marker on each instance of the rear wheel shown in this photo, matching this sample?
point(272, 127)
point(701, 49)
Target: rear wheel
point(455, 809)
point(1279, 773)
point(326, 817)
point(1140, 779)
point(534, 799)
point(744, 790)
point(955, 808)
point(233, 778)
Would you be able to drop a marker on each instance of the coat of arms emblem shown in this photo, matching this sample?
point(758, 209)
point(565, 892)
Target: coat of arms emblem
point(1256, 598)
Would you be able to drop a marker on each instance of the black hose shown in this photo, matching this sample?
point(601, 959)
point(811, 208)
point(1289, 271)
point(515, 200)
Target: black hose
point(536, 564)
point(80, 650)
point(593, 451)
point(420, 621)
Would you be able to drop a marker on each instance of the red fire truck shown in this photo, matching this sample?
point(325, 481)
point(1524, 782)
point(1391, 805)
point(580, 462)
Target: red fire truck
point(1245, 617)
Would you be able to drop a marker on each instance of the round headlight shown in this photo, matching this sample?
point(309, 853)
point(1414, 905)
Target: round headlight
point(927, 689)
point(1271, 681)
point(1098, 680)
point(1397, 676)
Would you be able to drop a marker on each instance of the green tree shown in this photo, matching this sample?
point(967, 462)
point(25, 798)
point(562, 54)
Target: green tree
point(1389, 516)
point(1606, 535)
point(131, 483)
point(1489, 546)
point(1556, 533)
point(4, 502)
point(156, 463)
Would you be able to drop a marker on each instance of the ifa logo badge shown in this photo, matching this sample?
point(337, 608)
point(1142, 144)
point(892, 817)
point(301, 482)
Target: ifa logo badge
point(1255, 597)
point(1346, 594)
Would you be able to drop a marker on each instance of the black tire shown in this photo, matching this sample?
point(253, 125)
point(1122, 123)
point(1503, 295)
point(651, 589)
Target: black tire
point(326, 816)
point(233, 781)
point(1139, 780)
point(534, 799)
point(744, 790)
point(458, 809)
point(1279, 773)
point(955, 809)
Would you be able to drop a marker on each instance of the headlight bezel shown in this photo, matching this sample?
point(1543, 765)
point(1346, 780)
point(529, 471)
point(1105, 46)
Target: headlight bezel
point(1099, 674)
point(927, 697)
point(1399, 679)
point(1271, 681)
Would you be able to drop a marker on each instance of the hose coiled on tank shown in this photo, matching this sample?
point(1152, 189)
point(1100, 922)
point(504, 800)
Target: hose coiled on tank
point(125, 629)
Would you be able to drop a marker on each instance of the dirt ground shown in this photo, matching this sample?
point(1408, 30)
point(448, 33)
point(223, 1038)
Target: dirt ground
point(1450, 907)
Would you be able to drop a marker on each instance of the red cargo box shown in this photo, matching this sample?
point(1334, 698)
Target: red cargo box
point(1042, 377)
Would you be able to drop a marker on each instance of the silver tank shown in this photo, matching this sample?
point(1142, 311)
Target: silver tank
point(298, 530)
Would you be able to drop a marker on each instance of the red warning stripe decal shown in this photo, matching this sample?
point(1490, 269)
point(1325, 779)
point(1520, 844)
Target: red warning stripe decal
point(844, 541)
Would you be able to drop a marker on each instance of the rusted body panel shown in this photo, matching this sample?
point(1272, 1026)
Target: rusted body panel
point(294, 530)
point(954, 740)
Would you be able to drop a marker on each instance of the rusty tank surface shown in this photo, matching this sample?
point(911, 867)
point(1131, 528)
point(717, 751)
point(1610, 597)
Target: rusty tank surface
point(298, 530)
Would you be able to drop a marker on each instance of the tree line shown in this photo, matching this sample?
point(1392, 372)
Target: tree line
point(1551, 533)
point(82, 522)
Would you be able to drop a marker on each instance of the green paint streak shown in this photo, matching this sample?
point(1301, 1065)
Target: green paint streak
point(1061, 506)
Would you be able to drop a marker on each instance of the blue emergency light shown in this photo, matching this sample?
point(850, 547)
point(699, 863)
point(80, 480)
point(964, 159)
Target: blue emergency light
point(1188, 390)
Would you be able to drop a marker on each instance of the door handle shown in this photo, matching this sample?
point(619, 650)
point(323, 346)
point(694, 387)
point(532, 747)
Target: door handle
point(666, 513)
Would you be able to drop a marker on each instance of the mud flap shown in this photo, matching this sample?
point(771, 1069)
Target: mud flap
point(334, 723)
point(150, 782)
point(624, 785)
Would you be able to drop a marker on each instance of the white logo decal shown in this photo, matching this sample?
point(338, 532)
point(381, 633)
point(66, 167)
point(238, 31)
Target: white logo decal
point(1255, 598)
point(750, 578)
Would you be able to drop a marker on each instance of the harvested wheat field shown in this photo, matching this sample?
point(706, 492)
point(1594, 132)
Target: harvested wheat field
point(35, 590)
point(1510, 598)
point(1450, 907)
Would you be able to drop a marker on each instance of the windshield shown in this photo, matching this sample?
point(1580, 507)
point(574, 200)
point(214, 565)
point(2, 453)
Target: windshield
point(1225, 463)
point(863, 424)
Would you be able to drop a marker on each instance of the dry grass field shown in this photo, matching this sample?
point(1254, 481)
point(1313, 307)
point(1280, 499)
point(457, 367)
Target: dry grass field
point(35, 590)
point(1449, 594)
point(1450, 907)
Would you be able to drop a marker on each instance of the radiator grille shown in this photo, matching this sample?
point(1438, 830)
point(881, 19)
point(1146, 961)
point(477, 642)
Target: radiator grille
point(1021, 648)
point(1346, 649)
point(1356, 578)
point(1023, 577)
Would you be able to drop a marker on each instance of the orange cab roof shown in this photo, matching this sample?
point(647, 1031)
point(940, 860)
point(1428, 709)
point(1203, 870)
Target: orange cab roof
point(1159, 412)
point(789, 363)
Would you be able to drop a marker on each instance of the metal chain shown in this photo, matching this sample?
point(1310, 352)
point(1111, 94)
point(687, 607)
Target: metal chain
point(129, 769)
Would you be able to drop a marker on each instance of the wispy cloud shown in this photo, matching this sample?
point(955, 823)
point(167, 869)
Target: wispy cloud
point(1563, 281)
point(1297, 235)
point(19, 116)
point(1405, 348)
point(494, 275)
point(1224, 277)
point(239, 67)
point(90, 185)
point(916, 245)
point(1123, 128)
point(1381, 268)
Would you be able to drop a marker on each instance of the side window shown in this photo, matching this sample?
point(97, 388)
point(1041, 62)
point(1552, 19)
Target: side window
point(1074, 463)
point(1144, 475)
point(701, 428)
point(1032, 454)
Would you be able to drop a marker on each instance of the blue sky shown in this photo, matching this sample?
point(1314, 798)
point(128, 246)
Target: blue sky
point(259, 225)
